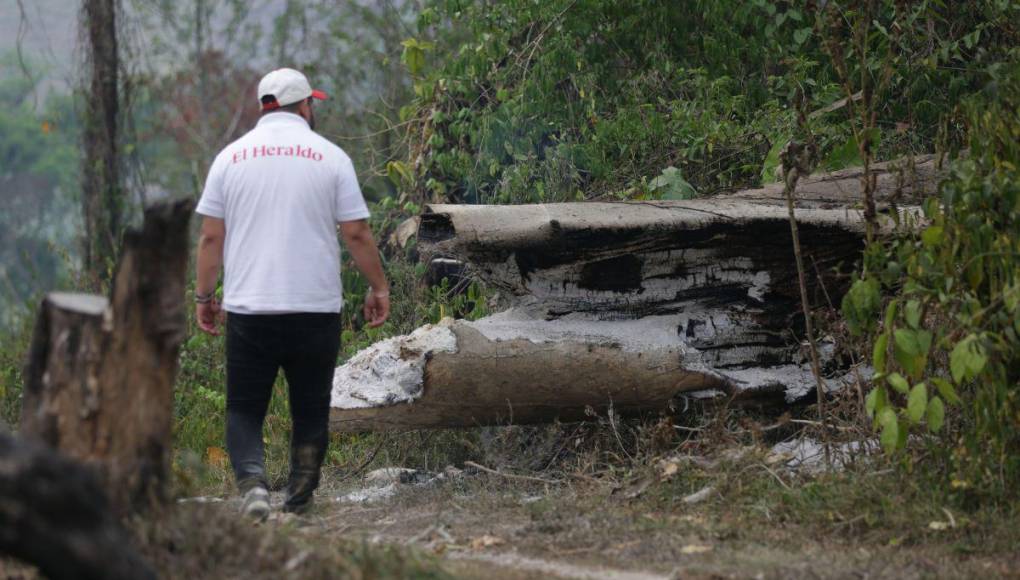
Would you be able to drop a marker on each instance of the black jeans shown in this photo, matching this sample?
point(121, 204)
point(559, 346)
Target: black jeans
point(306, 346)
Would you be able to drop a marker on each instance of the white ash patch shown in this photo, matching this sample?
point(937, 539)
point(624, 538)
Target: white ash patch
point(384, 483)
point(796, 381)
point(386, 475)
point(390, 371)
point(703, 394)
point(809, 454)
point(759, 286)
point(200, 499)
point(369, 494)
point(646, 334)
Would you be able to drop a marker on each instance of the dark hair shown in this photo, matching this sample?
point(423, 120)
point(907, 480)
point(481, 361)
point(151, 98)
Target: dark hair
point(291, 108)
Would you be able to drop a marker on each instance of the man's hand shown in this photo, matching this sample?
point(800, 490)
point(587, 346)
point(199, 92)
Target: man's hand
point(209, 316)
point(377, 308)
point(358, 237)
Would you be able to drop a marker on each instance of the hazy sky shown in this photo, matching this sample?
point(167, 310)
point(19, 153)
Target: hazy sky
point(48, 33)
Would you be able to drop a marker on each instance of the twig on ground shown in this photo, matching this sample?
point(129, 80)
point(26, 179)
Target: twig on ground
point(616, 432)
point(368, 461)
point(807, 422)
point(691, 429)
point(776, 475)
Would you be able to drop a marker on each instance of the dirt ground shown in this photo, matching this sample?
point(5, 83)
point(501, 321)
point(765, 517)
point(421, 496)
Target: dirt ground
point(741, 514)
point(488, 526)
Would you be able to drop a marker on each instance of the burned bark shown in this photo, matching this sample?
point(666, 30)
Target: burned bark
point(100, 375)
point(631, 305)
point(55, 516)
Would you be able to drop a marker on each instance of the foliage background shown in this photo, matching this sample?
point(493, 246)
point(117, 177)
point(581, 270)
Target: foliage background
point(525, 101)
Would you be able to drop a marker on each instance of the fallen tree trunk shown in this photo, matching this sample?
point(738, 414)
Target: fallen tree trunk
point(54, 515)
point(629, 305)
point(100, 374)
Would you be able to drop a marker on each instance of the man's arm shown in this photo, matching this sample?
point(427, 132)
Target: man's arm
point(209, 262)
point(358, 238)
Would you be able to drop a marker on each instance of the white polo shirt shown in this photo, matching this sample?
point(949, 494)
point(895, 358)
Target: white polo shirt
point(281, 189)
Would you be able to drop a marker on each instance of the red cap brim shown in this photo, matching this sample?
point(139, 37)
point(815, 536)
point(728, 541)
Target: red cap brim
point(319, 95)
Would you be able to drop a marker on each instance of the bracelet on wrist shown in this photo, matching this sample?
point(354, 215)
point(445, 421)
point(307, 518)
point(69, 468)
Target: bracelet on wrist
point(205, 298)
point(383, 294)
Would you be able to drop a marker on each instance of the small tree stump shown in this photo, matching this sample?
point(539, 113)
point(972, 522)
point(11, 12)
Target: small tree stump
point(100, 374)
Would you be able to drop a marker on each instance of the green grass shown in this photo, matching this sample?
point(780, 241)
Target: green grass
point(14, 344)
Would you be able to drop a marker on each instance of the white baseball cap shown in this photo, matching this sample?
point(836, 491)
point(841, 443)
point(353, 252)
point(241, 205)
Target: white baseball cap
point(285, 86)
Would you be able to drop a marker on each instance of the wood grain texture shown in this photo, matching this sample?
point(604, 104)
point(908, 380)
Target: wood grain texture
point(100, 375)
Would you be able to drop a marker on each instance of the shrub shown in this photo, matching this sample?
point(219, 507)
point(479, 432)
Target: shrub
point(953, 325)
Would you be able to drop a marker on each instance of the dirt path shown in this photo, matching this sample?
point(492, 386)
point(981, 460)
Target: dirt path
point(486, 529)
point(511, 565)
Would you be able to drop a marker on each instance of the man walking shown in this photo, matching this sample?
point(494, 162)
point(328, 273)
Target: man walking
point(271, 205)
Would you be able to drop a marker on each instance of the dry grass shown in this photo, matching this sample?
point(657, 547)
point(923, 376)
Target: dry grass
point(211, 541)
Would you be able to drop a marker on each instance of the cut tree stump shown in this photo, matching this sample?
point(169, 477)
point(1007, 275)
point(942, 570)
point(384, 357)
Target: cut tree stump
point(55, 516)
point(99, 379)
point(634, 306)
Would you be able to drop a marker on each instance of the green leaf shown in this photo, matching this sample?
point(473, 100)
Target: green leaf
point(398, 173)
point(910, 348)
point(845, 155)
point(890, 437)
point(932, 236)
point(879, 353)
point(947, 390)
point(896, 381)
point(917, 403)
point(967, 359)
point(870, 401)
point(936, 414)
point(671, 185)
point(924, 339)
point(861, 305)
point(890, 314)
point(976, 273)
point(913, 342)
point(849, 153)
point(413, 55)
point(771, 163)
point(912, 312)
point(801, 35)
point(876, 401)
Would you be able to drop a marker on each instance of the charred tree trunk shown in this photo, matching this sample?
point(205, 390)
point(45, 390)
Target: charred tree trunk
point(100, 375)
point(102, 195)
point(633, 306)
point(54, 515)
